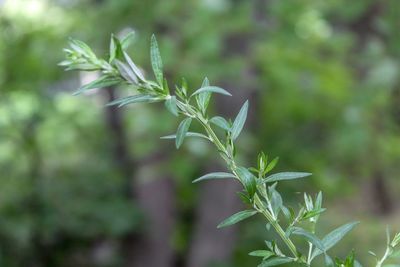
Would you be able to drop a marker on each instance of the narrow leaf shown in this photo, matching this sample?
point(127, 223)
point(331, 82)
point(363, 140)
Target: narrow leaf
point(212, 89)
point(312, 213)
point(133, 67)
point(240, 120)
point(156, 61)
point(309, 237)
point(272, 164)
point(334, 237)
point(203, 99)
point(286, 176)
point(276, 202)
point(214, 175)
point(126, 72)
point(134, 99)
point(261, 253)
point(188, 134)
point(182, 130)
point(220, 122)
point(237, 217)
point(127, 40)
point(275, 261)
point(101, 82)
point(248, 180)
point(116, 51)
point(170, 104)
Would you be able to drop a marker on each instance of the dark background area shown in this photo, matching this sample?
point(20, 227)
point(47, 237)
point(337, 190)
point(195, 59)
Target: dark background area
point(82, 184)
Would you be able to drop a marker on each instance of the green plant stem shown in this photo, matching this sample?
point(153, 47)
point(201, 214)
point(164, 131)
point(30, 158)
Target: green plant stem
point(259, 206)
point(385, 256)
point(276, 226)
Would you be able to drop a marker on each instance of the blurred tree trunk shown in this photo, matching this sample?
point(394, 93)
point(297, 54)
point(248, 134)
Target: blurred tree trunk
point(155, 198)
point(209, 244)
point(365, 27)
point(153, 247)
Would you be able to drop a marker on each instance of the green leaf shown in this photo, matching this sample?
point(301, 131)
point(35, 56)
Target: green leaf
point(215, 175)
point(126, 72)
point(312, 213)
point(82, 48)
point(244, 197)
point(220, 122)
point(134, 99)
point(261, 253)
point(116, 51)
point(286, 176)
point(134, 68)
point(276, 202)
point(188, 134)
point(334, 237)
point(211, 89)
point(104, 81)
point(170, 104)
point(309, 237)
point(156, 62)
point(128, 40)
point(272, 164)
point(237, 217)
point(182, 130)
point(203, 99)
point(275, 261)
point(248, 180)
point(240, 120)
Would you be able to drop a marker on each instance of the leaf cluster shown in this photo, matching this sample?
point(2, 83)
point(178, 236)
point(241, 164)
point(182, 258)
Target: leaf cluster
point(259, 192)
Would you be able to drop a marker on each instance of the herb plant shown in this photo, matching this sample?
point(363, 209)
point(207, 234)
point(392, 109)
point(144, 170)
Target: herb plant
point(259, 192)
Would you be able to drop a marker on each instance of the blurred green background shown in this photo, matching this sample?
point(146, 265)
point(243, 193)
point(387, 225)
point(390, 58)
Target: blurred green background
point(85, 185)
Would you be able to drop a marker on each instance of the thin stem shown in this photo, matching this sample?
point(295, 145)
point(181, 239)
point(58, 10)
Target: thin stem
point(276, 226)
point(381, 261)
point(186, 108)
point(310, 248)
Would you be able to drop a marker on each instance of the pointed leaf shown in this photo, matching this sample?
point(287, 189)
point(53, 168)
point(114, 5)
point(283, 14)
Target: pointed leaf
point(309, 237)
point(334, 237)
point(170, 104)
point(188, 134)
point(203, 99)
point(133, 67)
point(248, 180)
point(237, 217)
point(126, 72)
point(276, 202)
point(211, 89)
point(261, 253)
point(239, 121)
point(156, 61)
point(104, 81)
point(312, 213)
point(275, 261)
point(134, 99)
point(182, 130)
point(127, 40)
point(215, 175)
point(272, 164)
point(116, 51)
point(286, 176)
point(220, 122)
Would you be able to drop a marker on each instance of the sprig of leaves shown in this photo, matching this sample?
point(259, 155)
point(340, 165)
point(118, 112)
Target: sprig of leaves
point(260, 192)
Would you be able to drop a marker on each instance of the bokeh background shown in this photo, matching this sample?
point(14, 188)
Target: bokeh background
point(82, 184)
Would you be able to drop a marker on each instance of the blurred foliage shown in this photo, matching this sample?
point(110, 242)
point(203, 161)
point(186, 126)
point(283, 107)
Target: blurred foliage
point(325, 77)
